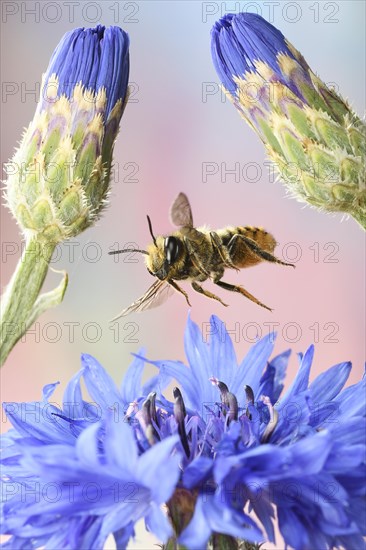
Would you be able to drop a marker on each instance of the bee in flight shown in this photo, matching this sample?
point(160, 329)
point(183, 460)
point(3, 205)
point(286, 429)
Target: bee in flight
point(197, 255)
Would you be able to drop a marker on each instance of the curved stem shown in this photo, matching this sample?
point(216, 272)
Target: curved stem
point(19, 305)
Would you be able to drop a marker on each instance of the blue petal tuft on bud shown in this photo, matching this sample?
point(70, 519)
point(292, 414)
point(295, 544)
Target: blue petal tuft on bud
point(96, 58)
point(240, 40)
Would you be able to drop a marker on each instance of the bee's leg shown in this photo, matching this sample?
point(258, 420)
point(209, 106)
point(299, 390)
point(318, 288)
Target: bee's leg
point(237, 288)
point(195, 259)
point(222, 250)
point(201, 290)
point(252, 245)
point(178, 289)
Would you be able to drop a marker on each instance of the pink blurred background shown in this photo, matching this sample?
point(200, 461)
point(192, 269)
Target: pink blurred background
point(177, 127)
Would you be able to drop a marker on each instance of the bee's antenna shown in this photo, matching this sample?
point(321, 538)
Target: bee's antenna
point(128, 250)
point(151, 230)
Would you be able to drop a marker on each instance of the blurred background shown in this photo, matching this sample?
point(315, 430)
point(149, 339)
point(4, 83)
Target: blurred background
point(179, 133)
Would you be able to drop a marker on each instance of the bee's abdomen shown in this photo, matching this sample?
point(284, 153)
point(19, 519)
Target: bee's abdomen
point(264, 240)
point(240, 253)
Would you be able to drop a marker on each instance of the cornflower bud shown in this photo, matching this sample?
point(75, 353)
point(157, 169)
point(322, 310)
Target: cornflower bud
point(312, 135)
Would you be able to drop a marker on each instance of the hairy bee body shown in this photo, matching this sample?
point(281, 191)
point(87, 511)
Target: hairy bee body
point(202, 252)
point(241, 255)
point(198, 254)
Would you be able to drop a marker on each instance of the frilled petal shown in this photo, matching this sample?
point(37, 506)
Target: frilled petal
point(132, 387)
point(152, 463)
point(197, 353)
point(183, 375)
point(118, 437)
point(38, 420)
point(122, 536)
point(271, 383)
point(351, 401)
point(100, 385)
point(73, 404)
point(301, 381)
point(157, 522)
point(197, 472)
point(328, 384)
point(322, 392)
point(223, 360)
point(251, 368)
point(131, 384)
point(210, 516)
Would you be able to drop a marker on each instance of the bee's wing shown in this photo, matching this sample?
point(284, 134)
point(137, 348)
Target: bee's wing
point(180, 212)
point(156, 295)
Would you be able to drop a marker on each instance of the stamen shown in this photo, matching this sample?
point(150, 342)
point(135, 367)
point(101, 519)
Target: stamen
point(250, 399)
point(149, 418)
point(131, 410)
point(228, 399)
point(249, 394)
point(179, 415)
point(273, 419)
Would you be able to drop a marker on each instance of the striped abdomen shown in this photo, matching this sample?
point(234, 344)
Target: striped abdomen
point(240, 253)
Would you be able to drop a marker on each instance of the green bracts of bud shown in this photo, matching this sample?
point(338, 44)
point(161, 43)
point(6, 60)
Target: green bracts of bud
point(58, 178)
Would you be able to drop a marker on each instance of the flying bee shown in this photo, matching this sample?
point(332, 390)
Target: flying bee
point(197, 255)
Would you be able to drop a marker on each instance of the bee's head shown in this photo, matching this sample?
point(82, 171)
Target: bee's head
point(163, 255)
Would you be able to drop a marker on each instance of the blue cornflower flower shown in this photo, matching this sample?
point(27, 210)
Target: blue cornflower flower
point(73, 475)
point(303, 123)
point(226, 456)
point(268, 449)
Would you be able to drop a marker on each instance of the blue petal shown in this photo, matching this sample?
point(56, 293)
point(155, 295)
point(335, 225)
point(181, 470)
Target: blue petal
point(72, 399)
point(250, 370)
point(38, 420)
point(329, 383)
point(280, 363)
point(197, 472)
point(223, 361)
point(122, 515)
point(132, 387)
point(301, 381)
point(99, 384)
point(122, 536)
point(351, 401)
point(157, 522)
point(120, 445)
point(131, 383)
point(292, 529)
point(185, 378)
point(158, 470)
point(197, 353)
point(210, 516)
point(87, 447)
point(198, 532)
point(48, 390)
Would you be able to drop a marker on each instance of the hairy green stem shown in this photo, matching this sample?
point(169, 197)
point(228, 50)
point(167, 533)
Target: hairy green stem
point(21, 303)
